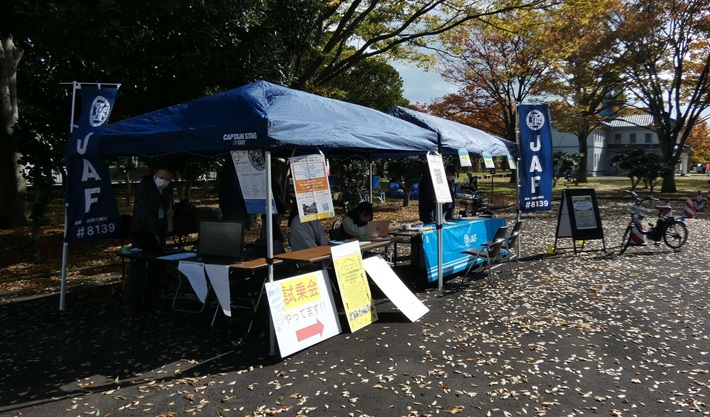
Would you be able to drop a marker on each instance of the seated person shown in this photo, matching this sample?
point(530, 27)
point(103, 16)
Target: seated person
point(355, 221)
point(305, 235)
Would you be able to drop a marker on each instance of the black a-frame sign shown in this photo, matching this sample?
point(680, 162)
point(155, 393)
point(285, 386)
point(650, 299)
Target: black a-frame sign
point(579, 217)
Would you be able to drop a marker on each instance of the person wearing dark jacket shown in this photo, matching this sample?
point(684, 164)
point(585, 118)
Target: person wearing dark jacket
point(427, 197)
point(149, 227)
point(355, 221)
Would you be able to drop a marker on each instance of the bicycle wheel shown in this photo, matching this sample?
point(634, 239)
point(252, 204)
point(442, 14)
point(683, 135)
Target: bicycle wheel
point(676, 234)
point(625, 240)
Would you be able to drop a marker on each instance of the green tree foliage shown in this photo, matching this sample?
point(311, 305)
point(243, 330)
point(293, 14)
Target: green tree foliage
point(371, 83)
point(649, 167)
point(584, 73)
point(165, 53)
point(565, 163)
point(496, 63)
point(406, 171)
point(665, 44)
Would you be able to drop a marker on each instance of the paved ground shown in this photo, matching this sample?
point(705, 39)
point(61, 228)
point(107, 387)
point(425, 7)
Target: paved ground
point(593, 334)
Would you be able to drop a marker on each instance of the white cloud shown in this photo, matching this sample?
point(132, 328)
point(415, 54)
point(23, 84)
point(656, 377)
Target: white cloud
point(422, 86)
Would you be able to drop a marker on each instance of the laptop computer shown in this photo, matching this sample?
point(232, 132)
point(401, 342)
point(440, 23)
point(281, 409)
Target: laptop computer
point(377, 228)
point(220, 242)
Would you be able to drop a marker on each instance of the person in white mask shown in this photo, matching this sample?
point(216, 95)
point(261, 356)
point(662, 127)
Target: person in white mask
point(149, 226)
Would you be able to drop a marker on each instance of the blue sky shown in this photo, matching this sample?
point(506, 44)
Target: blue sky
point(422, 86)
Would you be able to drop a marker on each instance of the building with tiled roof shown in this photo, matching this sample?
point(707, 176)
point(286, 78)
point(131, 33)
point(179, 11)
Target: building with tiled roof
point(614, 135)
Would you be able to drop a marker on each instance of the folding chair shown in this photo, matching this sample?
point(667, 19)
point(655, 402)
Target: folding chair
point(513, 243)
point(490, 255)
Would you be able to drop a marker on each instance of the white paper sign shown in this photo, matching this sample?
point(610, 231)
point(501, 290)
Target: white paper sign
point(393, 287)
point(310, 183)
point(511, 162)
point(302, 311)
point(464, 158)
point(249, 166)
point(438, 177)
point(219, 278)
point(195, 273)
point(488, 160)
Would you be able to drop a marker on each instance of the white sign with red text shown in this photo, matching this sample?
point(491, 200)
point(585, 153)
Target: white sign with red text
point(302, 311)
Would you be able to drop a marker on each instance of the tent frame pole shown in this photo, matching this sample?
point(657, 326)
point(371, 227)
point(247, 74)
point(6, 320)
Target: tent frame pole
point(270, 244)
point(65, 245)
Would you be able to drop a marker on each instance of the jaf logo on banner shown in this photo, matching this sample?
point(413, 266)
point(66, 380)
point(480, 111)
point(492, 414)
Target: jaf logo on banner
point(536, 161)
point(91, 205)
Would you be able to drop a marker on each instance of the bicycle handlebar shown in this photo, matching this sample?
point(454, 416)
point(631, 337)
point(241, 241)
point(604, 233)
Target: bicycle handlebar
point(638, 199)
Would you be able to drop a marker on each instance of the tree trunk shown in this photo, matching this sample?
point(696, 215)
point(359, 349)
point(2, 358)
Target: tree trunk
point(13, 211)
point(668, 184)
point(582, 169)
point(405, 199)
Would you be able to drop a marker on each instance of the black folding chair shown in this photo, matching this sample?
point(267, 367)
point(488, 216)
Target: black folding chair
point(490, 255)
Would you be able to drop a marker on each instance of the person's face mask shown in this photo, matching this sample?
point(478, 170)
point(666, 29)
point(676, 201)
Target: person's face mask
point(161, 183)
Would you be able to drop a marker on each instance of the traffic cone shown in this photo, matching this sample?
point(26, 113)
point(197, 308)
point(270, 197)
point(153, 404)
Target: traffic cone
point(699, 203)
point(689, 209)
point(637, 238)
point(665, 209)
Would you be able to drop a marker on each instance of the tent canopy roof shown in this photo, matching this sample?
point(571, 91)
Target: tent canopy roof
point(454, 135)
point(265, 116)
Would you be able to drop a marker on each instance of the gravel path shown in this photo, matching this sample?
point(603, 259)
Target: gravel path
point(592, 334)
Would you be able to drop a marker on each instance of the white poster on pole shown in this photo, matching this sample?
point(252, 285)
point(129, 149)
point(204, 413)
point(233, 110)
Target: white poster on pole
point(438, 178)
point(251, 172)
point(310, 183)
point(302, 311)
point(488, 160)
point(511, 162)
point(464, 158)
point(393, 287)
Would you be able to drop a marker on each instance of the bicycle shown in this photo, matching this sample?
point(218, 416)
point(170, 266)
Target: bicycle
point(473, 202)
point(673, 231)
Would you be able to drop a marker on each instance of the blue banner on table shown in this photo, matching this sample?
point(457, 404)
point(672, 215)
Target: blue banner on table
point(456, 237)
point(535, 158)
point(92, 212)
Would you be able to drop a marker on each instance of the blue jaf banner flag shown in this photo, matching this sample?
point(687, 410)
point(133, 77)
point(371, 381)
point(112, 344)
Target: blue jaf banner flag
point(91, 209)
point(536, 161)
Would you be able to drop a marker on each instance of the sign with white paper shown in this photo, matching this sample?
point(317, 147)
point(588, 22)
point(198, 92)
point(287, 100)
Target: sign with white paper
point(438, 178)
point(511, 162)
point(302, 311)
point(464, 158)
point(251, 172)
point(488, 160)
point(393, 287)
point(219, 278)
point(352, 282)
point(195, 273)
point(310, 182)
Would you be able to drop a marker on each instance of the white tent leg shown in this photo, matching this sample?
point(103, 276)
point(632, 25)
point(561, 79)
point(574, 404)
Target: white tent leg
point(270, 244)
point(440, 244)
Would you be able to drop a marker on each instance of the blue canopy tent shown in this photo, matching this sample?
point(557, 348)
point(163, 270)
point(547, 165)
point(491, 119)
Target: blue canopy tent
point(452, 136)
point(261, 116)
point(264, 116)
